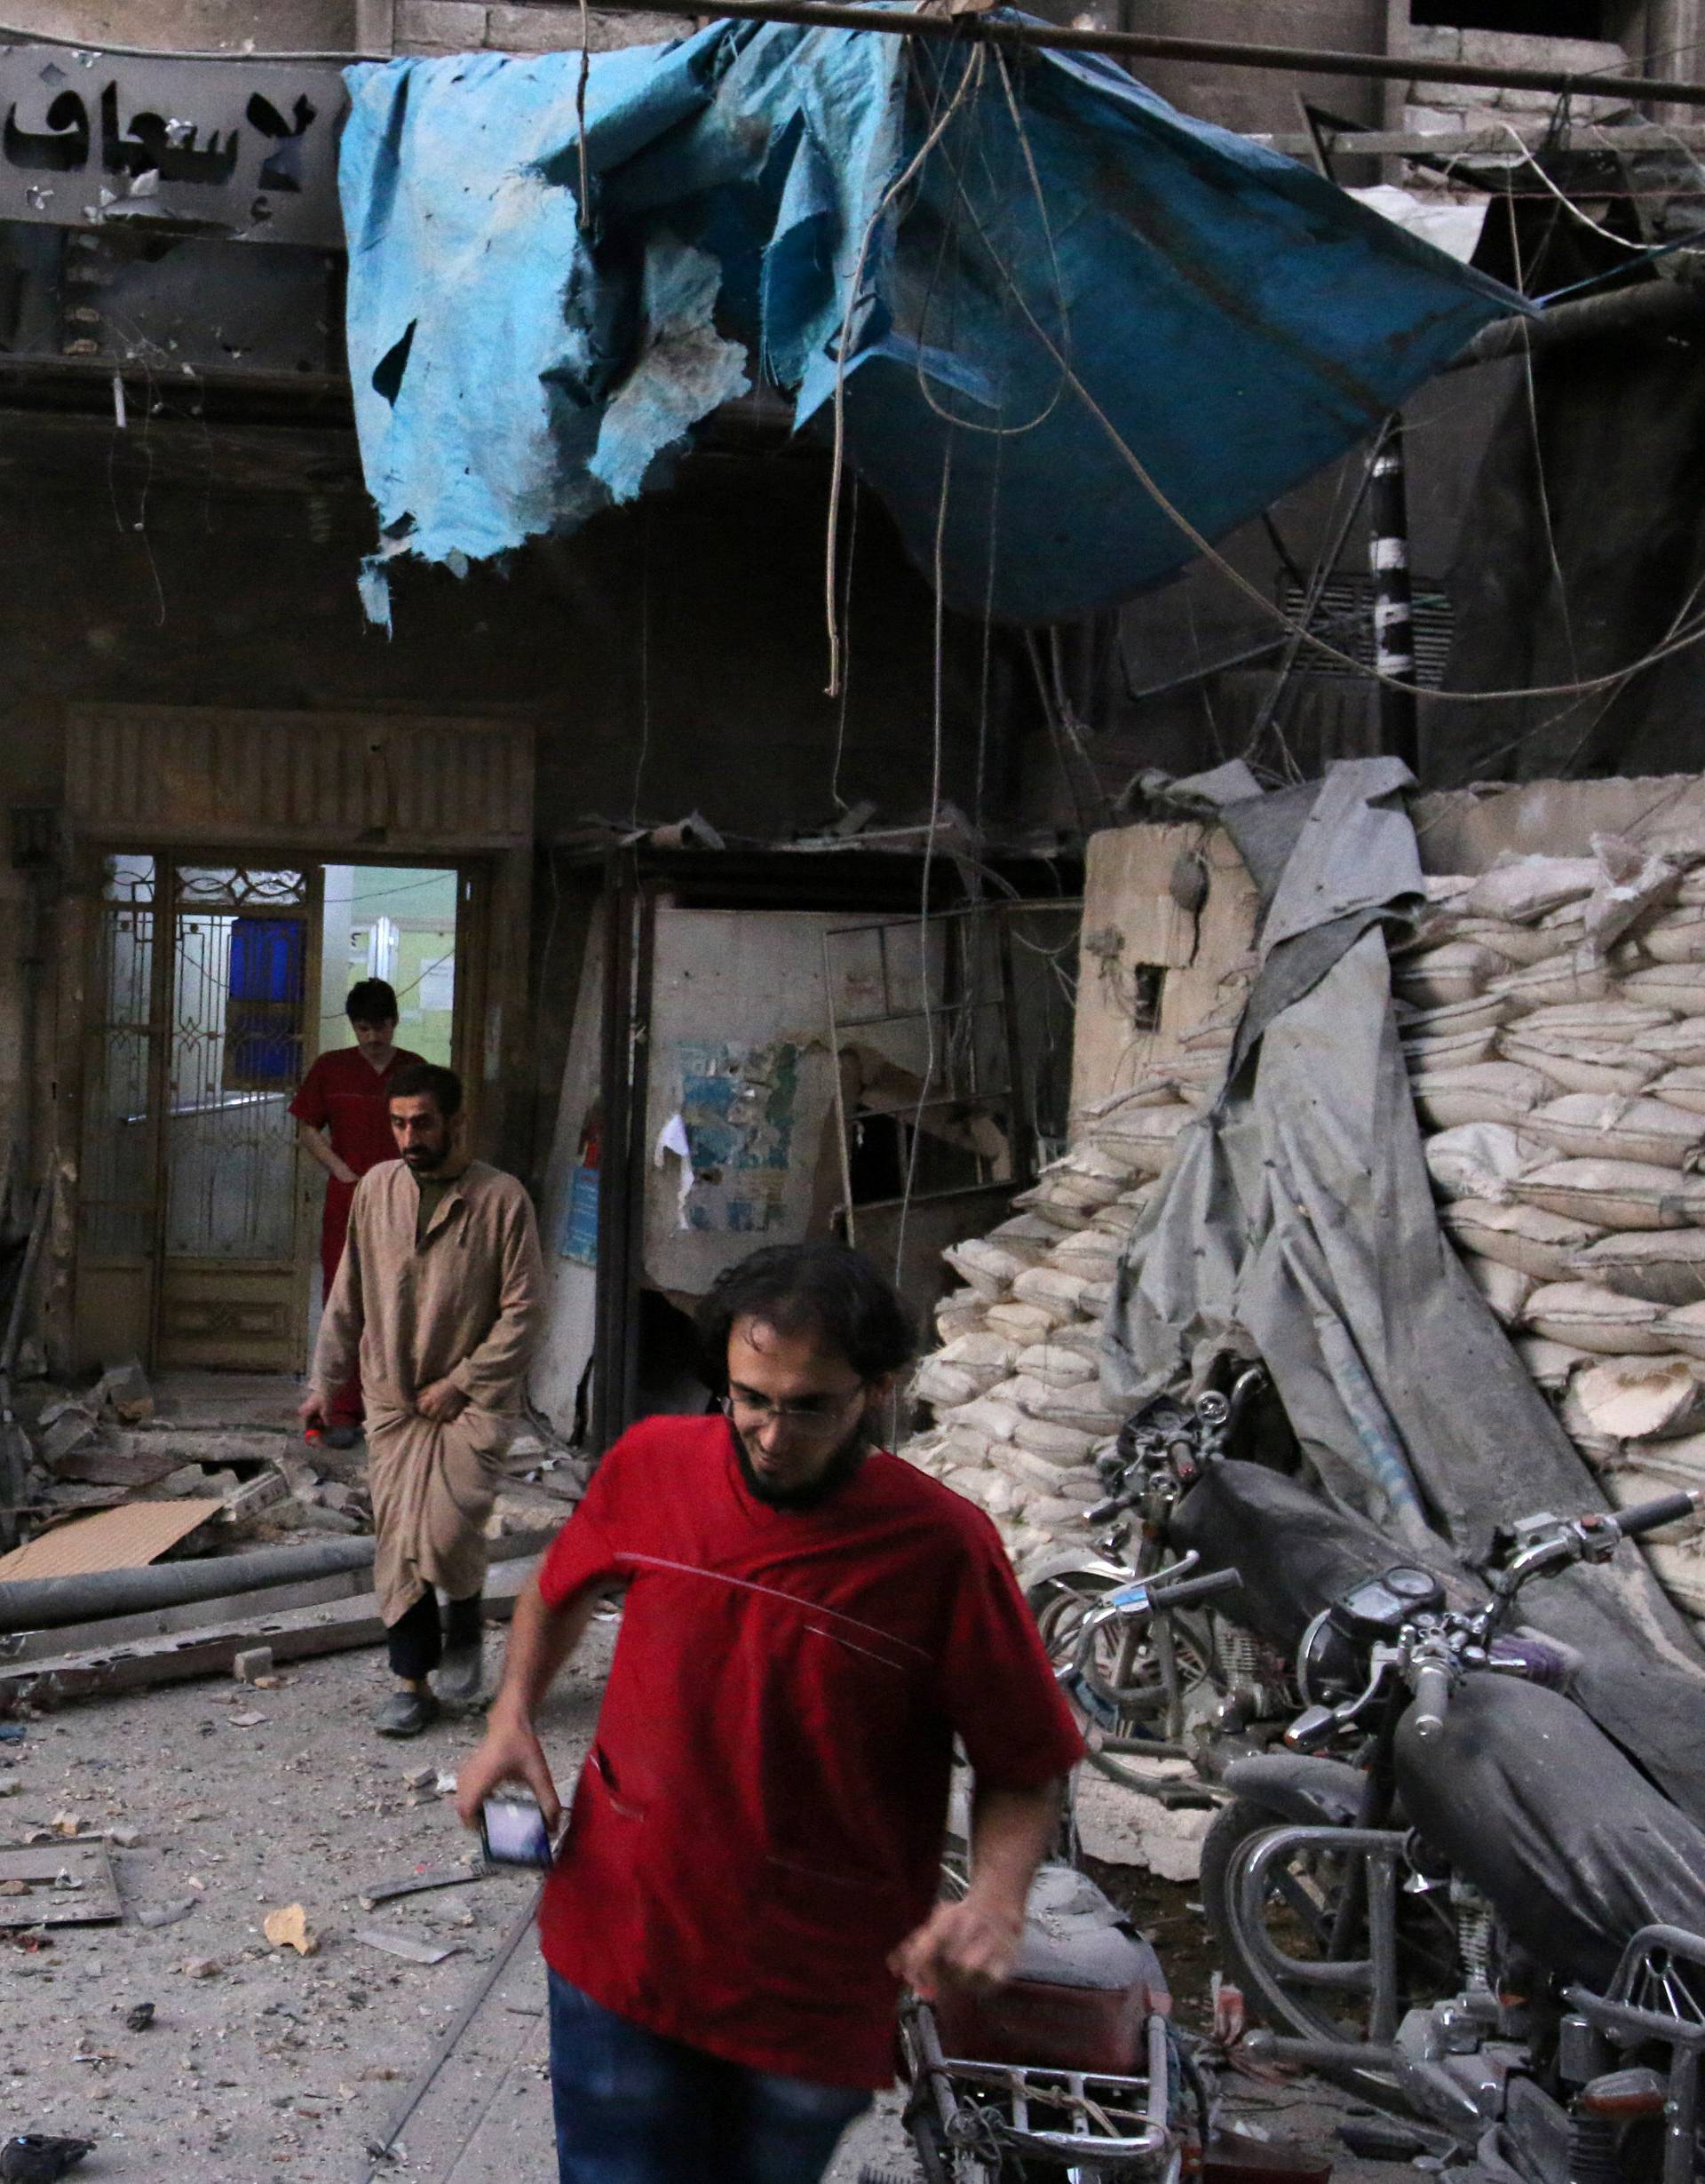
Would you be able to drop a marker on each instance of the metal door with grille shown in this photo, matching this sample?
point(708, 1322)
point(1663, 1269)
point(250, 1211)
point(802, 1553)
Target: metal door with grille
point(196, 1041)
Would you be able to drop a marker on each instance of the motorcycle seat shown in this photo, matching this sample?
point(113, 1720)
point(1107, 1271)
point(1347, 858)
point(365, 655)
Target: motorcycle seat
point(1082, 1992)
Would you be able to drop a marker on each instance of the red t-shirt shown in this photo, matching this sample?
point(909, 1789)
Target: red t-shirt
point(760, 1818)
point(344, 1093)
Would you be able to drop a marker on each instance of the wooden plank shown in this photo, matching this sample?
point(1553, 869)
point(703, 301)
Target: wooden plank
point(91, 1901)
point(296, 1634)
point(127, 1537)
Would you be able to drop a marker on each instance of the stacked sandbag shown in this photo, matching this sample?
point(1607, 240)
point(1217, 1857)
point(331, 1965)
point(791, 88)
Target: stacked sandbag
point(1018, 1416)
point(1552, 1014)
point(1015, 1388)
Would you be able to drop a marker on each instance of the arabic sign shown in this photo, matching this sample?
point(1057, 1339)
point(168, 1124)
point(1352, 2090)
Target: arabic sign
point(244, 150)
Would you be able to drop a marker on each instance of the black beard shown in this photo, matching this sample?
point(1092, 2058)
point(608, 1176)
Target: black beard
point(419, 1161)
point(843, 1465)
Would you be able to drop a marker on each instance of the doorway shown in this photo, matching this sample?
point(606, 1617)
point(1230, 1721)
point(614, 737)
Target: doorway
point(213, 984)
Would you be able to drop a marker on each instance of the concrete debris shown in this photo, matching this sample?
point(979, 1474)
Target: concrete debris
point(202, 1968)
point(124, 1387)
point(254, 1495)
point(1122, 1827)
point(188, 1479)
point(166, 1914)
point(288, 1928)
point(124, 1836)
point(138, 2018)
point(315, 1519)
point(73, 1427)
point(252, 1664)
point(420, 1778)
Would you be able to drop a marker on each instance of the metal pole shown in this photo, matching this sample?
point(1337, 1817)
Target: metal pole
point(1388, 507)
point(1151, 45)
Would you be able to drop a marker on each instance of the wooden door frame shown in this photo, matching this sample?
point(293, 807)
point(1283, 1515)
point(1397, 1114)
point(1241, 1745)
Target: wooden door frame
point(493, 901)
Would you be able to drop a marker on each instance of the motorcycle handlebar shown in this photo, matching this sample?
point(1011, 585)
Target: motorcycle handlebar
point(1111, 1507)
point(1432, 1701)
point(1648, 1516)
point(1187, 1589)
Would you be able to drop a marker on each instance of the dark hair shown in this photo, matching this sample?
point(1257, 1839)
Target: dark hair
point(372, 1001)
point(827, 1289)
point(425, 1080)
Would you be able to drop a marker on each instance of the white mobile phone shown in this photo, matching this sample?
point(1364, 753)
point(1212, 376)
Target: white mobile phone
point(513, 1833)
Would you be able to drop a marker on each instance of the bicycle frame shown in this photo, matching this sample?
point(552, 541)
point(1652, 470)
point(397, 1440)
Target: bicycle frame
point(1108, 2122)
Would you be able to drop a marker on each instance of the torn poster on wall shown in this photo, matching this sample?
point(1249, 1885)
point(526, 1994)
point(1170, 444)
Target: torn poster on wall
point(733, 1133)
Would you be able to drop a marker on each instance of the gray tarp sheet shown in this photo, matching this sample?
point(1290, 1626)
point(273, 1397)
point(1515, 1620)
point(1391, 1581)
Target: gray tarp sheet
point(1297, 1224)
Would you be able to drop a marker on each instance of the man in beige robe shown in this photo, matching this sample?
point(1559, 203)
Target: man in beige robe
point(440, 1294)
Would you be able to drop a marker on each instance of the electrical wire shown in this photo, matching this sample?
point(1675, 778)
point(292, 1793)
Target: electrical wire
point(837, 468)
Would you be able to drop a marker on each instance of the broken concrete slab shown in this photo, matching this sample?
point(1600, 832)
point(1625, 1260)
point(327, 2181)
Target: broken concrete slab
point(73, 1428)
point(252, 1664)
point(123, 1387)
point(1122, 1826)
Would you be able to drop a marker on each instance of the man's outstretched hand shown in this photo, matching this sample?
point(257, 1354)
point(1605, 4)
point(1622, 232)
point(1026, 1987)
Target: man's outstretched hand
point(967, 1944)
point(511, 1753)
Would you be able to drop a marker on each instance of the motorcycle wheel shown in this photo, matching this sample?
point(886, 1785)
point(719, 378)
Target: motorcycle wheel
point(1300, 1911)
point(1058, 1605)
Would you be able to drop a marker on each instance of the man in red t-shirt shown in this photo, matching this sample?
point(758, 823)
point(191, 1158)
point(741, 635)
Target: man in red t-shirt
point(750, 1869)
point(343, 1108)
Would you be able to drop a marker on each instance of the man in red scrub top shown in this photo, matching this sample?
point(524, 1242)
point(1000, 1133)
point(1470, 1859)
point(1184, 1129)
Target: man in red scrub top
point(750, 1869)
point(346, 1119)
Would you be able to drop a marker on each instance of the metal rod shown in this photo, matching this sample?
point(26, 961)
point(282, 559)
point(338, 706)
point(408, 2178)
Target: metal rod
point(381, 2152)
point(49, 1603)
point(612, 1304)
point(1151, 45)
point(1388, 510)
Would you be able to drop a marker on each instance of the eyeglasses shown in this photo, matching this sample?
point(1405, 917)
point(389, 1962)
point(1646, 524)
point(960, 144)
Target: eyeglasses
point(814, 1418)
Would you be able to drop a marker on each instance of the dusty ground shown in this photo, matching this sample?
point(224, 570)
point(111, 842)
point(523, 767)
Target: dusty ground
point(262, 2066)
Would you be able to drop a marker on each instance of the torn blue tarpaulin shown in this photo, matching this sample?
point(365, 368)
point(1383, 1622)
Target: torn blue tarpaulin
point(1074, 276)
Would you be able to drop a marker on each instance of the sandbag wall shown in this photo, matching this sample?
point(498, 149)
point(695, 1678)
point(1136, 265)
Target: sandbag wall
point(1553, 1016)
point(1018, 1414)
point(1552, 1011)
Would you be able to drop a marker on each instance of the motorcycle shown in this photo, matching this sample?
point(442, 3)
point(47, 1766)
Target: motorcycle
point(1073, 2070)
point(1169, 1687)
point(1456, 1896)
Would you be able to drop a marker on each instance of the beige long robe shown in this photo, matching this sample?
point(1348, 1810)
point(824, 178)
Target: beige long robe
point(466, 1304)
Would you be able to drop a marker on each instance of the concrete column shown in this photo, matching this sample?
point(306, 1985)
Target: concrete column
point(376, 27)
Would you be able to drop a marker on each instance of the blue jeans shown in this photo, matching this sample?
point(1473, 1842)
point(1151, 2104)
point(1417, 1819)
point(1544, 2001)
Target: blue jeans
point(633, 2107)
